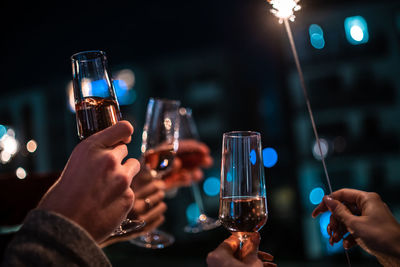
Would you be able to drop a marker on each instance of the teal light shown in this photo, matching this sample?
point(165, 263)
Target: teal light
point(211, 186)
point(270, 157)
point(316, 195)
point(192, 213)
point(323, 223)
point(3, 130)
point(316, 36)
point(356, 29)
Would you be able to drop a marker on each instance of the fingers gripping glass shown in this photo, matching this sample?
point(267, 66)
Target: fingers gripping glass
point(188, 130)
point(243, 204)
point(96, 105)
point(159, 146)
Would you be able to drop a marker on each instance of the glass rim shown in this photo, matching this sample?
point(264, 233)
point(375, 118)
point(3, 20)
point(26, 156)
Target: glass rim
point(165, 100)
point(242, 134)
point(93, 53)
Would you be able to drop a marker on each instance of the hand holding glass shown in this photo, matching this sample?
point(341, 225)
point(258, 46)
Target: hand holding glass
point(96, 105)
point(243, 204)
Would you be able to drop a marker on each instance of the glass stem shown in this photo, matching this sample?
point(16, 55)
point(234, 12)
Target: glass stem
point(197, 197)
point(240, 254)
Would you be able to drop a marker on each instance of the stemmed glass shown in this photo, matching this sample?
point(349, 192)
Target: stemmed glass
point(96, 105)
point(159, 146)
point(243, 204)
point(188, 130)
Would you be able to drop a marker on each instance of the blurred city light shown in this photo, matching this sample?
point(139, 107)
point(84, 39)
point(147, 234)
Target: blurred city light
point(70, 97)
point(192, 213)
point(323, 223)
point(316, 36)
point(127, 76)
point(316, 195)
point(356, 29)
point(3, 130)
point(324, 149)
point(5, 157)
point(31, 146)
point(9, 144)
point(211, 186)
point(270, 157)
point(21, 173)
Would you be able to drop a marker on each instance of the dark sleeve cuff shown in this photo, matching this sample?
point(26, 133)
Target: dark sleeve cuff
point(52, 238)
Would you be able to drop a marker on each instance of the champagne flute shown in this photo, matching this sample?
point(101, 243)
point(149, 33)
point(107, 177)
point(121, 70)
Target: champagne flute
point(159, 146)
point(243, 204)
point(96, 106)
point(188, 130)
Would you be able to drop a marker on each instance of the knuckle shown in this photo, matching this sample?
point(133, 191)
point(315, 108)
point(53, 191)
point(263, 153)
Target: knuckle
point(373, 196)
point(110, 161)
point(123, 180)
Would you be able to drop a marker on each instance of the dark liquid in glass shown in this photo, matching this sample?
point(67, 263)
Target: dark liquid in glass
point(94, 114)
point(245, 214)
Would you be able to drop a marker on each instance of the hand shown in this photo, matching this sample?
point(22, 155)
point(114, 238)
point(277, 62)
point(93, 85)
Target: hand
point(152, 192)
point(94, 187)
point(190, 158)
point(375, 229)
point(223, 255)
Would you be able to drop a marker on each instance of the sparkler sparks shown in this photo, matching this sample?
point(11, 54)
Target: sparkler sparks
point(284, 9)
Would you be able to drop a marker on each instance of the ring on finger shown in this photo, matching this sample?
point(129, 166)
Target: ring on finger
point(148, 203)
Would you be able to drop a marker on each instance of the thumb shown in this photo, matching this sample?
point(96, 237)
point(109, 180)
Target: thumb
point(338, 210)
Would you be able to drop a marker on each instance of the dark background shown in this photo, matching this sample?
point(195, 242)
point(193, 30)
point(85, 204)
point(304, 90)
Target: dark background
point(231, 62)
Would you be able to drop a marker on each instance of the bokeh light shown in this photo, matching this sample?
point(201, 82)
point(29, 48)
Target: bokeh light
point(3, 131)
point(356, 30)
point(31, 146)
point(316, 195)
point(316, 36)
point(270, 157)
point(323, 223)
point(21, 173)
point(9, 144)
point(5, 157)
point(324, 149)
point(192, 213)
point(211, 186)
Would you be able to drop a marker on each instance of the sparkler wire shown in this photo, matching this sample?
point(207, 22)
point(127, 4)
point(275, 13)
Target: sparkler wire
point(307, 99)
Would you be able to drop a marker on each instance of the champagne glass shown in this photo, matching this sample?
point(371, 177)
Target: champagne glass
point(159, 146)
point(243, 204)
point(188, 130)
point(96, 105)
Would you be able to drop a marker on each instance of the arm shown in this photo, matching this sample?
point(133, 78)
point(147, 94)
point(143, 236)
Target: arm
point(88, 201)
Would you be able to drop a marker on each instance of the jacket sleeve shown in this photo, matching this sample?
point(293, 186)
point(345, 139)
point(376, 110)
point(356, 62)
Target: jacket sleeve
point(49, 239)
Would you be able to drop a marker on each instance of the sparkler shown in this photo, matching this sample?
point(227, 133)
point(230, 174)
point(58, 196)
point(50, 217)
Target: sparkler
point(284, 11)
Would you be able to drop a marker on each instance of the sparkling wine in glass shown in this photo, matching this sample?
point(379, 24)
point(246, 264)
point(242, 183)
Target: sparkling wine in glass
point(159, 145)
point(243, 204)
point(188, 131)
point(96, 105)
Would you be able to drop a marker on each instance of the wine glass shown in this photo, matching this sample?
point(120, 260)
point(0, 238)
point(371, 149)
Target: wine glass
point(243, 203)
point(159, 146)
point(96, 106)
point(188, 130)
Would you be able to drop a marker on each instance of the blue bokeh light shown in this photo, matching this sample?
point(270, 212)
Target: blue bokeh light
point(211, 186)
point(337, 247)
point(323, 223)
point(125, 95)
point(99, 88)
point(3, 130)
point(253, 157)
point(356, 29)
point(316, 195)
point(316, 36)
point(229, 177)
point(270, 157)
point(192, 213)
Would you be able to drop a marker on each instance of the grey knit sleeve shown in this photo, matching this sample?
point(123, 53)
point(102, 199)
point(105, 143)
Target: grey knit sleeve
point(49, 239)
